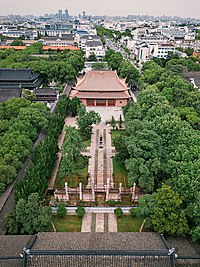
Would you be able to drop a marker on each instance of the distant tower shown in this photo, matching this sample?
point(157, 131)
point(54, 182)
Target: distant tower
point(60, 14)
point(84, 14)
point(66, 14)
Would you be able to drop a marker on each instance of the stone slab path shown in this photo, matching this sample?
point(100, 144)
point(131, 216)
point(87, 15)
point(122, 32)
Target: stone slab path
point(99, 222)
point(100, 162)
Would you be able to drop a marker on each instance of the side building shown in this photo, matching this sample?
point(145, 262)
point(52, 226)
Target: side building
point(101, 88)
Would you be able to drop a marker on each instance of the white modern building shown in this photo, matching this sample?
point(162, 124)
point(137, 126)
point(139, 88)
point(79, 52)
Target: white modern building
point(162, 50)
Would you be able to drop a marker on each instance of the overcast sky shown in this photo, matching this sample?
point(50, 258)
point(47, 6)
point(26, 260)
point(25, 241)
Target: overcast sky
point(183, 8)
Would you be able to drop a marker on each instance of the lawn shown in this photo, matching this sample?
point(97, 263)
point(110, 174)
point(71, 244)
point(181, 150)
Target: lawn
point(115, 133)
point(120, 173)
point(70, 223)
point(87, 142)
point(129, 224)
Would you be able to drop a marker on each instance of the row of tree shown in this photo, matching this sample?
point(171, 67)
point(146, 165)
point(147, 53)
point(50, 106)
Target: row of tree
point(36, 178)
point(20, 123)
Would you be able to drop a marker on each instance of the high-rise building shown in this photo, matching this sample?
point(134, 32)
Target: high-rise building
point(60, 14)
point(66, 14)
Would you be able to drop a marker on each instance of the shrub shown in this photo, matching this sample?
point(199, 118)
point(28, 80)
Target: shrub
point(118, 212)
point(132, 212)
point(80, 211)
point(61, 211)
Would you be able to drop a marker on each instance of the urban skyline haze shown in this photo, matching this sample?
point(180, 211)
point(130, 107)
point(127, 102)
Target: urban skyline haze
point(180, 8)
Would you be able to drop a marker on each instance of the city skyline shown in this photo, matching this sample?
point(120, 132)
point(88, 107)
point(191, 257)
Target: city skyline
point(103, 7)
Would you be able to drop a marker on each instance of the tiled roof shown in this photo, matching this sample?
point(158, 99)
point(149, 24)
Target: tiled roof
point(12, 75)
point(12, 245)
point(45, 91)
point(6, 94)
point(107, 81)
point(99, 241)
point(70, 47)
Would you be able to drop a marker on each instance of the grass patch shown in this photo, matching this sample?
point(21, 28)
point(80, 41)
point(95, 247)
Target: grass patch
point(129, 224)
point(115, 133)
point(70, 223)
point(73, 179)
point(87, 142)
point(120, 174)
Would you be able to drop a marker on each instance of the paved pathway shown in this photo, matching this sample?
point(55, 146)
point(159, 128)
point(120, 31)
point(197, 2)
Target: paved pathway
point(99, 222)
point(100, 164)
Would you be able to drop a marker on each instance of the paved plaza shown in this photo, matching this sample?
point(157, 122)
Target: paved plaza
point(107, 112)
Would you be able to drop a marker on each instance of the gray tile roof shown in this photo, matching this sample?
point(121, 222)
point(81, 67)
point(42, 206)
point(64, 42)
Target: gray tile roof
point(12, 75)
point(99, 241)
point(7, 93)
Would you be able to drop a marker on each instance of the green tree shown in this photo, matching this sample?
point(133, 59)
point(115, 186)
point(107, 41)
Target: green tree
point(61, 211)
point(165, 212)
point(27, 94)
point(18, 42)
point(30, 217)
point(120, 121)
point(86, 120)
point(80, 211)
point(128, 71)
point(92, 57)
point(113, 122)
point(118, 212)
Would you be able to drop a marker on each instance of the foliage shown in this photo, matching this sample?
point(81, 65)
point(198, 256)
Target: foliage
point(118, 212)
point(71, 149)
point(80, 211)
point(29, 217)
point(21, 121)
point(98, 66)
point(27, 94)
point(161, 143)
point(17, 42)
point(128, 71)
point(120, 121)
point(61, 211)
point(60, 67)
point(132, 212)
point(165, 211)
point(114, 59)
point(113, 122)
point(86, 120)
point(92, 57)
point(44, 156)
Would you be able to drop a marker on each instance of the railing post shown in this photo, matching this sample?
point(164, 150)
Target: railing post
point(26, 252)
point(171, 254)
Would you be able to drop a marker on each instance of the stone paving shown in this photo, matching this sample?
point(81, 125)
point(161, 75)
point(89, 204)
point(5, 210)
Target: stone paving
point(106, 113)
point(99, 222)
point(100, 162)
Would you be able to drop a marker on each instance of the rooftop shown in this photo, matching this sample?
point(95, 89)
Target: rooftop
point(12, 75)
point(107, 81)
